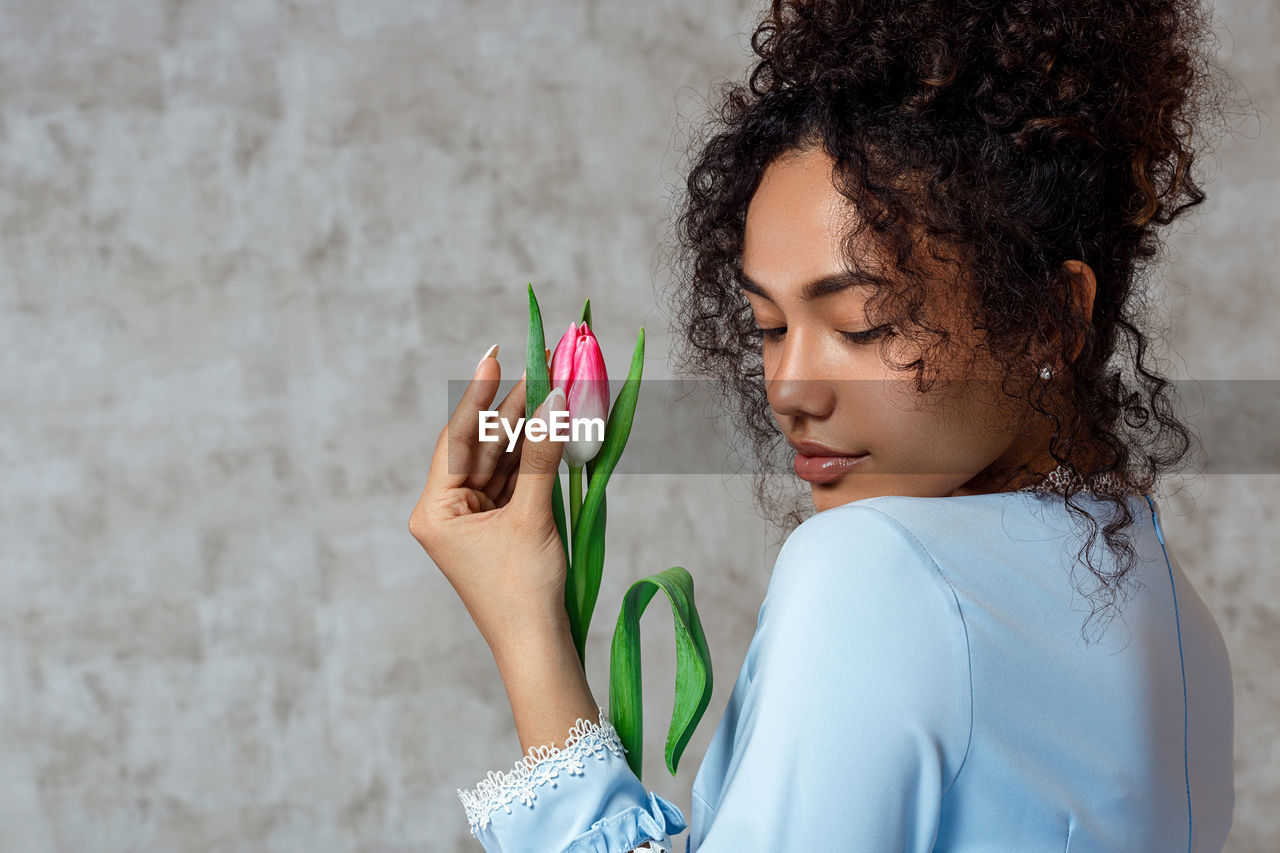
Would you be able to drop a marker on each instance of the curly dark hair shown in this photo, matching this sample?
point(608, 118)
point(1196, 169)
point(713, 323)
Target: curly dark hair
point(1004, 138)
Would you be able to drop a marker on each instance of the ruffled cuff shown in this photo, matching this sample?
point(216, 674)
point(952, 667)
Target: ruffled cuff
point(605, 811)
point(654, 823)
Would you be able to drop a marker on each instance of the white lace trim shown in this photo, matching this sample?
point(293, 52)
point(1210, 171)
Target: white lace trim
point(542, 764)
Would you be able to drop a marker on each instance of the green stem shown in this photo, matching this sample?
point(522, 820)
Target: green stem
point(575, 498)
point(572, 582)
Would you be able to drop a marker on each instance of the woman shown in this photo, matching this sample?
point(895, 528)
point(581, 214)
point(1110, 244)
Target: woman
point(911, 248)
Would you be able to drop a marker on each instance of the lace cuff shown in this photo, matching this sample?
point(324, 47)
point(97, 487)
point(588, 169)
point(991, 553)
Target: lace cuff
point(605, 811)
point(538, 767)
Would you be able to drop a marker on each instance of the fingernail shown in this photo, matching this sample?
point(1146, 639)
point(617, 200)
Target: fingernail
point(493, 350)
point(555, 401)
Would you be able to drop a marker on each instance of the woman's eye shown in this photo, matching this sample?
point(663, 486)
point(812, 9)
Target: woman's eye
point(775, 334)
point(865, 337)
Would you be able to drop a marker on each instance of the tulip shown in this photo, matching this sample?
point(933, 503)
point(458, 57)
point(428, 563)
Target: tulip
point(577, 368)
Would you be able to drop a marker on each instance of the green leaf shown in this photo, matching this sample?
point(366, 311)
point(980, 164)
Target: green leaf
point(537, 377)
point(693, 667)
point(586, 581)
point(585, 317)
point(537, 387)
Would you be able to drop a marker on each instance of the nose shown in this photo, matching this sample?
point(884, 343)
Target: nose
point(795, 386)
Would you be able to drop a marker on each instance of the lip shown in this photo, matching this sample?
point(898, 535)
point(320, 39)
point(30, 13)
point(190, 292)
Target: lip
point(816, 448)
point(818, 463)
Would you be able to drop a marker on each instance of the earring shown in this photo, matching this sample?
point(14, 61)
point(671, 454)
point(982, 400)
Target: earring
point(1046, 372)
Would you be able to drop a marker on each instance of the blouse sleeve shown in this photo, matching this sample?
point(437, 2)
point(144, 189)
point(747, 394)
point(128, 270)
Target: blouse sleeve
point(580, 798)
point(857, 711)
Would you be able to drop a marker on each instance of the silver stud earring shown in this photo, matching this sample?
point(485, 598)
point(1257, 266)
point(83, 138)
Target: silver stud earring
point(1046, 372)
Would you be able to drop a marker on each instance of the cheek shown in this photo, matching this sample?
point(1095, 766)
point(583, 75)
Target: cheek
point(913, 433)
point(885, 416)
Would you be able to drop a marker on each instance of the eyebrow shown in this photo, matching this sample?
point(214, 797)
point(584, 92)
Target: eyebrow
point(825, 286)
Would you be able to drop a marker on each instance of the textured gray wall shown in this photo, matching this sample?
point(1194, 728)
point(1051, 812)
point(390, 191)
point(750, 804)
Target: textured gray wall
point(243, 247)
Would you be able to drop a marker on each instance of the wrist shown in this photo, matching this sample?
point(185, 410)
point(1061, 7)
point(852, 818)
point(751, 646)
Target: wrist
point(546, 687)
point(533, 641)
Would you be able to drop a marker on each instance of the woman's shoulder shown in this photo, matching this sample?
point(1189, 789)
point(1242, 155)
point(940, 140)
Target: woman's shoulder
point(856, 538)
point(858, 565)
point(959, 516)
point(962, 517)
point(875, 540)
point(956, 535)
point(913, 565)
point(856, 607)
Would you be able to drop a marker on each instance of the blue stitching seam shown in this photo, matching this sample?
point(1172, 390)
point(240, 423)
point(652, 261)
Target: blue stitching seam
point(1186, 772)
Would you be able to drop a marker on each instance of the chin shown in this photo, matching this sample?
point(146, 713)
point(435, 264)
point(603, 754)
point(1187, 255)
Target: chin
point(825, 497)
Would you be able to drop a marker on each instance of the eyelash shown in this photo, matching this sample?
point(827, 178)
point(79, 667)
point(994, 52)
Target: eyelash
point(775, 334)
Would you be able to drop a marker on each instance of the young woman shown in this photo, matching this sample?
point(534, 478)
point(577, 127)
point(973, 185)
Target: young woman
point(912, 247)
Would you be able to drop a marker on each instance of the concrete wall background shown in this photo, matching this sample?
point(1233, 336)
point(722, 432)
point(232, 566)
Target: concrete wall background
point(243, 247)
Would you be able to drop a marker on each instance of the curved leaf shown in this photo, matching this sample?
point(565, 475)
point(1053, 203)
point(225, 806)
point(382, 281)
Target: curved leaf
point(693, 667)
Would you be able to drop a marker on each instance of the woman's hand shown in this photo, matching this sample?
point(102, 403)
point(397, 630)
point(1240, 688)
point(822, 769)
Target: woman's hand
point(485, 518)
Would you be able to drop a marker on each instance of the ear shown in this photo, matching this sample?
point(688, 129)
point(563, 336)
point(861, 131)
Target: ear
point(1084, 286)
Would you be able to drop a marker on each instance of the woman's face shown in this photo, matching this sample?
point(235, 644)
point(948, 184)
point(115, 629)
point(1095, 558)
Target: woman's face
point(824, 387)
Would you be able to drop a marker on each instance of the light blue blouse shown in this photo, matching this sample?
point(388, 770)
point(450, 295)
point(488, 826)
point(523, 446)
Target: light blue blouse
point(918, 681)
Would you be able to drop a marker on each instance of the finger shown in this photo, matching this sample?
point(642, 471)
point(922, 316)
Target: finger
point(508, 462)
point(490, 453)
point(508, 487)
point(459, 441)
point(506, 470)
point(540, 459)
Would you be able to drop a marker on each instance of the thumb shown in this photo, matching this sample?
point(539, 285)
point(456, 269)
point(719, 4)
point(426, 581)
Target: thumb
point(540, 458)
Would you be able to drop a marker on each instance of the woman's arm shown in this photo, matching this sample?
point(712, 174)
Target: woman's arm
point(548, 691)
point(853, 724)
point(545, 684)
point(580, 796)
point(489, 528)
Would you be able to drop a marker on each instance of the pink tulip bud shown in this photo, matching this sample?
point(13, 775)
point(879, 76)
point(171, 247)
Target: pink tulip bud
point(577, 367)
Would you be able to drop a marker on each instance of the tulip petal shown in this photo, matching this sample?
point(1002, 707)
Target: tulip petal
point(562, 359)
point(589, 366)
point(588, 394)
